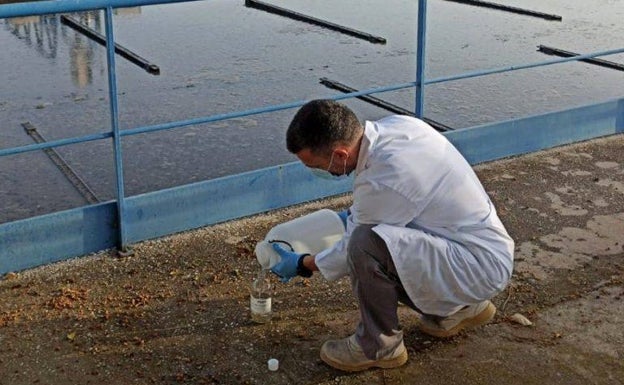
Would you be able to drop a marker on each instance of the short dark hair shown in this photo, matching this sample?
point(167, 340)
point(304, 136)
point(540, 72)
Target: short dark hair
point(319, 125)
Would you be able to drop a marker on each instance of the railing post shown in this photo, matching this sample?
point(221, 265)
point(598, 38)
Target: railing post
point(114, 111)
point(619, 117)
point(420, 58)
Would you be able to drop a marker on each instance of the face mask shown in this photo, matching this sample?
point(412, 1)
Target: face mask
point(325, 174)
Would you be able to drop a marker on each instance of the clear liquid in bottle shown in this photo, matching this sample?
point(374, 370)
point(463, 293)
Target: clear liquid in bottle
point(260, 298)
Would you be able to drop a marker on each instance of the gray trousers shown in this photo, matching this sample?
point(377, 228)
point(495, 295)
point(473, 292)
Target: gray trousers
point(378, 290)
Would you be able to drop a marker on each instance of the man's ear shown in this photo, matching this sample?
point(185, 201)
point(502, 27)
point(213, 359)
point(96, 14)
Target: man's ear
point(341, 153)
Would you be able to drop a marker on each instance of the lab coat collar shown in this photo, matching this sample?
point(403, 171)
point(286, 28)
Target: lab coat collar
point(368, 142)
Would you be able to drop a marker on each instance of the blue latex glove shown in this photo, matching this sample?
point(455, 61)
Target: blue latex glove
point(343, 216)
point(287, 267)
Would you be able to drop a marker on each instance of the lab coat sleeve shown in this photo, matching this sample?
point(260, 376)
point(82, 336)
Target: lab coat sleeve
point(332, 262)
point(375, 204)
point(371, 206)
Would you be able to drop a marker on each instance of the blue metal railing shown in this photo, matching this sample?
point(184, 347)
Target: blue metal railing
point(114, 112)
point(64, 6)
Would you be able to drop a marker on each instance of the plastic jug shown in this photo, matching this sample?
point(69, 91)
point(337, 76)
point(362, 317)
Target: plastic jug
point(310, 233)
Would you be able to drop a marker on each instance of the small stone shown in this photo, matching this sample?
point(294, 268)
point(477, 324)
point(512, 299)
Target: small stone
point(42, 105)
point(520, 319)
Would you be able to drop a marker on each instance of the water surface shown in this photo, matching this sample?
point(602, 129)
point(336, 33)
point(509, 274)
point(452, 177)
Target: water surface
point(219, 56)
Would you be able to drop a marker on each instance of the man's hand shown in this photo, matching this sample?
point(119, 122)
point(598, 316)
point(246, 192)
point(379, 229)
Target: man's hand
point(290, 265)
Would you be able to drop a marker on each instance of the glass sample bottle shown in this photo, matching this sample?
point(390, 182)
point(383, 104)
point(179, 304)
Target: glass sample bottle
point(260, 298)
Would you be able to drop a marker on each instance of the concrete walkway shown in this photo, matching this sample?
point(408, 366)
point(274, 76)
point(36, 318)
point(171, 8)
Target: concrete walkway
point(177, 312)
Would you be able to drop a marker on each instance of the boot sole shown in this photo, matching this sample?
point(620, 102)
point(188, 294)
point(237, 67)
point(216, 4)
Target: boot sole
point(385, 364)
point(480, 319)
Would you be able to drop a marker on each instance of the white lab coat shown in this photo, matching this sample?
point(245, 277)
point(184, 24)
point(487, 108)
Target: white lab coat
point(446, 240)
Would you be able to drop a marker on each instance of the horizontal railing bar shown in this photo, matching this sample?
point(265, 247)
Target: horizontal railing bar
point(522, 66)
point(285, 106)
point(255, 111)
point(189, 122)
point(380, 103)
point(45, 7)
point(67, 170)
point(395, 87)
point(54, 143)
point(563, 53)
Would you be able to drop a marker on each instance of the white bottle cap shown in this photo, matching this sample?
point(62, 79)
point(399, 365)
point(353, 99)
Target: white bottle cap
point(273, 364)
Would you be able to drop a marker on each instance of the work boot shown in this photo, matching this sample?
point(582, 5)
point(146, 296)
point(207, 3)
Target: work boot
point(468, 317)
point(346, 354)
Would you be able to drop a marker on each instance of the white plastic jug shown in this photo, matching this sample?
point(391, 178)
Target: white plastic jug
point(310, 233)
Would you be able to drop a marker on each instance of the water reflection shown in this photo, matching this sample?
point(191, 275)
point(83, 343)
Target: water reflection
point(81, 51)
point(42, 34)
point(38, 32)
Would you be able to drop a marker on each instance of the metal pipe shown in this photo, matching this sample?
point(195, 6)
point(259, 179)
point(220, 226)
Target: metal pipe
point(119, 49)
point(507, 8)
point(256, 111)
point(381, 103)
point(114, 113)
point(599, 62)
point(62, 165)
point(54, 143)
point(421, 38)
point(468, 75)
point(312, 20)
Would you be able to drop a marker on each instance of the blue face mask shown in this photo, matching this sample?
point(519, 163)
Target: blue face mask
point(326, 174)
